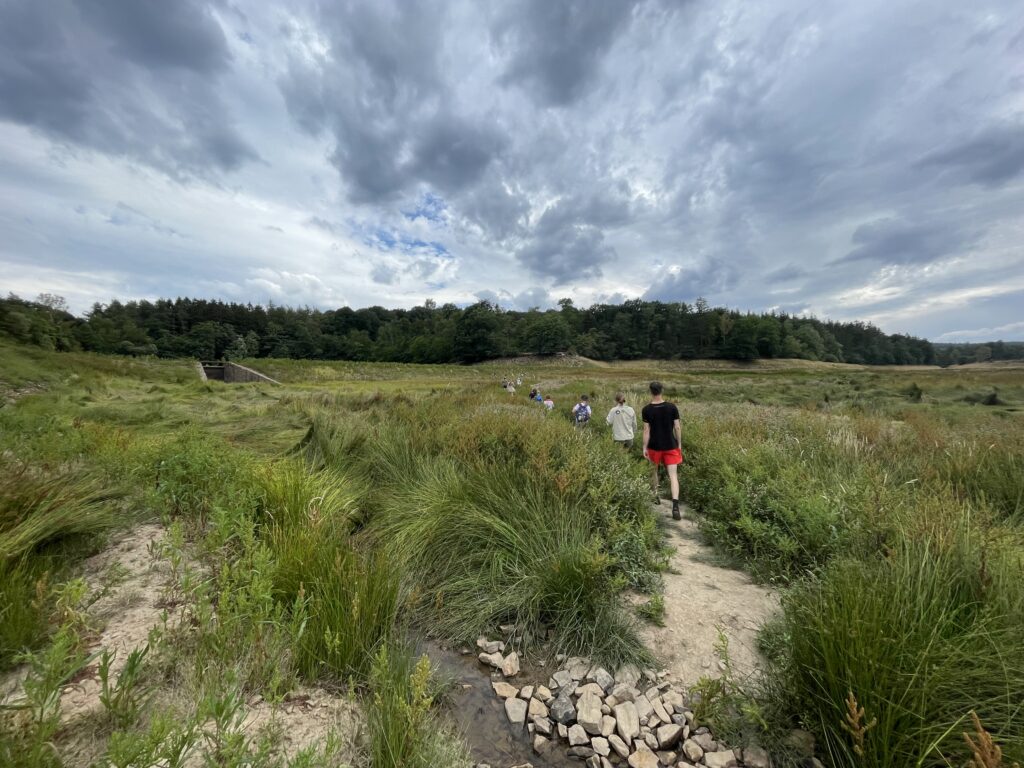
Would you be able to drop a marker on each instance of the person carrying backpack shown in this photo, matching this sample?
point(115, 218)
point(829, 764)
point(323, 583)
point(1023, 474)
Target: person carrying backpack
point(581, 412)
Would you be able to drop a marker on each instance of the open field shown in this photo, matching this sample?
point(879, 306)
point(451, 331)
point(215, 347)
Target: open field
point(293, 545)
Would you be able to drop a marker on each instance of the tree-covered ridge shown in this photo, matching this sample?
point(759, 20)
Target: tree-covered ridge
point(441, 334)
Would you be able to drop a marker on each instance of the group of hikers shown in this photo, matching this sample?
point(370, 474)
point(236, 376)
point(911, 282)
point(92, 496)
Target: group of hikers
point(662, 433)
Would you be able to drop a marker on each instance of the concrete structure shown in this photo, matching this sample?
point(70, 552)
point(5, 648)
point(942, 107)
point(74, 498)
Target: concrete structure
point(231, 373)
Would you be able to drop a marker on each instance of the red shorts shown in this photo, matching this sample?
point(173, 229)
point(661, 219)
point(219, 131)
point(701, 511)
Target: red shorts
point(668, 458)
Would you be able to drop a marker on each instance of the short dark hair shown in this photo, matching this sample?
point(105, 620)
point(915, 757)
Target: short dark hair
point(656, 388)
point(584, 397)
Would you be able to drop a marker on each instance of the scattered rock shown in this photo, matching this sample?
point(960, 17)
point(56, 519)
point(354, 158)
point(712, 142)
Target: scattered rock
point(755, 757)
point(666, 758)
point(607, 725)
point(504, 690)
point(592, 688)
point(510, 665)
point(559, 680)
point(620, 747)
point(577, 735)
point(562, 709)
point(659, 710)
point(651, 740)
point(724, 759)
point(491, 659)
point(543, 725)
point(543, 693)
point(601, 746)
point(628, 674)
point(489, 646)
point(602, 677)
point(643, 758)
point(516, 711)
point(526, 692)
point(693, 751)
point(588, 713)
point(643, 706)
point(668, 736)
point(537, 708)
point(627, 722)
point(707, 743)
point(563, 731)
point(625, 692)
point(672, 699)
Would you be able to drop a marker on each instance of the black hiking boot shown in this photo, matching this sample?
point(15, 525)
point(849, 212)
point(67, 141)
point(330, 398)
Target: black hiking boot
point(675, 510)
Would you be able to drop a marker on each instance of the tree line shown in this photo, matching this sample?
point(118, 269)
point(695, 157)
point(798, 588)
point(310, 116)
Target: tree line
point(210, 329)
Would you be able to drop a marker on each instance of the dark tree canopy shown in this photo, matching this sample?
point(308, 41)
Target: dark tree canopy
point(443, 334)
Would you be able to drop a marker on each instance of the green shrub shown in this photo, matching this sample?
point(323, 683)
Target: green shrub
point(920, 638)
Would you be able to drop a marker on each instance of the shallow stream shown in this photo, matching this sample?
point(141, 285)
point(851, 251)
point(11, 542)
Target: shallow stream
point(480, 717)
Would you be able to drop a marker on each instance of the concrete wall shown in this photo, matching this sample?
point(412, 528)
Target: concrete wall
point(232, 373)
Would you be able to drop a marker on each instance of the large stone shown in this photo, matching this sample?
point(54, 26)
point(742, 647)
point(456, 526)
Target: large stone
point(668, 736)
point(543, 693)
point(510, 665)
point(624, 692)
point(755, 757)
point(600, 745)
point(707, 741)
point(588, 713)
point(627, 722)
point(693, 751)
point(643, 706)
point(602, 677)
point(666, 758)
point(526, 692)
point(621, 748)
point(592, 688)
point(659, 710)
point(543, 725)
point(491, 659)
point(607, 725)
point(643, 758)
point(489, 646)
point(577, 735)
point(724, 759)
point(516, 711)
point(672, 699)
point(562, 709)
point(538, 708)
point(559, 680)
point(504, 690)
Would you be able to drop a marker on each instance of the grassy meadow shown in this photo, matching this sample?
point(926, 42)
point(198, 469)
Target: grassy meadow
point(317, 530)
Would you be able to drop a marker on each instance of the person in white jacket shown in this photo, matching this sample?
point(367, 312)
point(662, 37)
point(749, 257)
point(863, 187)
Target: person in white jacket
point(623, 421)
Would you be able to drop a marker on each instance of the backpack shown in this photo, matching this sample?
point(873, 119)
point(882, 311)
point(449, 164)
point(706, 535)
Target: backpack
point(582, 413)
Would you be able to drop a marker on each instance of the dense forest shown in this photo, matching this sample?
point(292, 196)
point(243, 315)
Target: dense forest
point(440, 334)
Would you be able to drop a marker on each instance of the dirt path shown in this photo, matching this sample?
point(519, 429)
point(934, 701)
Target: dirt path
point(700, 598)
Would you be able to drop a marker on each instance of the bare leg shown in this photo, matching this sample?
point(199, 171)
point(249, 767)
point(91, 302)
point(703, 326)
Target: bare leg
point(654, 479)
point(673, 479)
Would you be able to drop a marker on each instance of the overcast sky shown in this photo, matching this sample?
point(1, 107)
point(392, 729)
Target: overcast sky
point(845, 159)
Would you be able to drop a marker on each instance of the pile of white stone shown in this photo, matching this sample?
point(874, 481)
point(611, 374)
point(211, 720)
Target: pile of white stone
point(604, 719)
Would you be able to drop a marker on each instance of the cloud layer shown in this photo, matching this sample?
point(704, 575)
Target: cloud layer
point(848, 160)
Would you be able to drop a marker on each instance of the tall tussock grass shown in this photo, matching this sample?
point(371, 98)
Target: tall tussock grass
point(43, 514)
point(922, 637)
point(495, 514)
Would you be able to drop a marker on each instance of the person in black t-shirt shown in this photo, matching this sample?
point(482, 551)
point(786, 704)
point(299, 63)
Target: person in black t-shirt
point(662, 434)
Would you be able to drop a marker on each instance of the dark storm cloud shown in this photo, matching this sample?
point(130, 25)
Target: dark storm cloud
point(707, 278)
point(379, 94)
point(557, 47)
point(124, 78)
point(895, 241)
point(567, 244)
point(990, 158)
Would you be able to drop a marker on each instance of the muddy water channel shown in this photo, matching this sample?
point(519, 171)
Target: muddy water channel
point(480, 717)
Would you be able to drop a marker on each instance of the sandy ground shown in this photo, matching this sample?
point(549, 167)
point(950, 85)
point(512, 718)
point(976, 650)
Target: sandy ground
point(124, 616)
point(700, 598)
